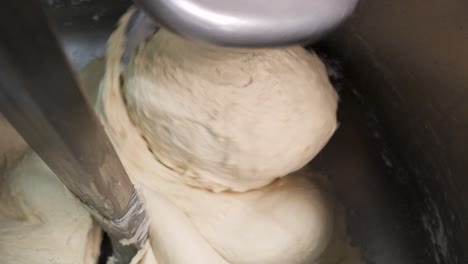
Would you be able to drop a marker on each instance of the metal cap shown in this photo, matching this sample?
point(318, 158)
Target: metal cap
point(249, 23)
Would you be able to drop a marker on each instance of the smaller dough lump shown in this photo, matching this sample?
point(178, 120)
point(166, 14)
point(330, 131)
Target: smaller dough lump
point(41, 221)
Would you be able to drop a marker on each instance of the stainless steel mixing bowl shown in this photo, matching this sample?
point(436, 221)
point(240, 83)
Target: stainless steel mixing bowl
point(399, 158)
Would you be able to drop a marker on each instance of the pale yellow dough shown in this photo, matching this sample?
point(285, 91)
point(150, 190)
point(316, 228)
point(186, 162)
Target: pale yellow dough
point(40, 220)
point(229, 119)
point(287, 221)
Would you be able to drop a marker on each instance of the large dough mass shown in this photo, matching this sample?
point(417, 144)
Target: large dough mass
point(229, 119)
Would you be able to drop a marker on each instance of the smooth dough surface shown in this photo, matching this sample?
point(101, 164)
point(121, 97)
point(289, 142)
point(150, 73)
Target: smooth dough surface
point(229, 119)
point(288, 221)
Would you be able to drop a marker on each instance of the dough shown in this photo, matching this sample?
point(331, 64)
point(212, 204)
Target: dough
point(41, 221)
point(229, 119)
point(285, 221)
